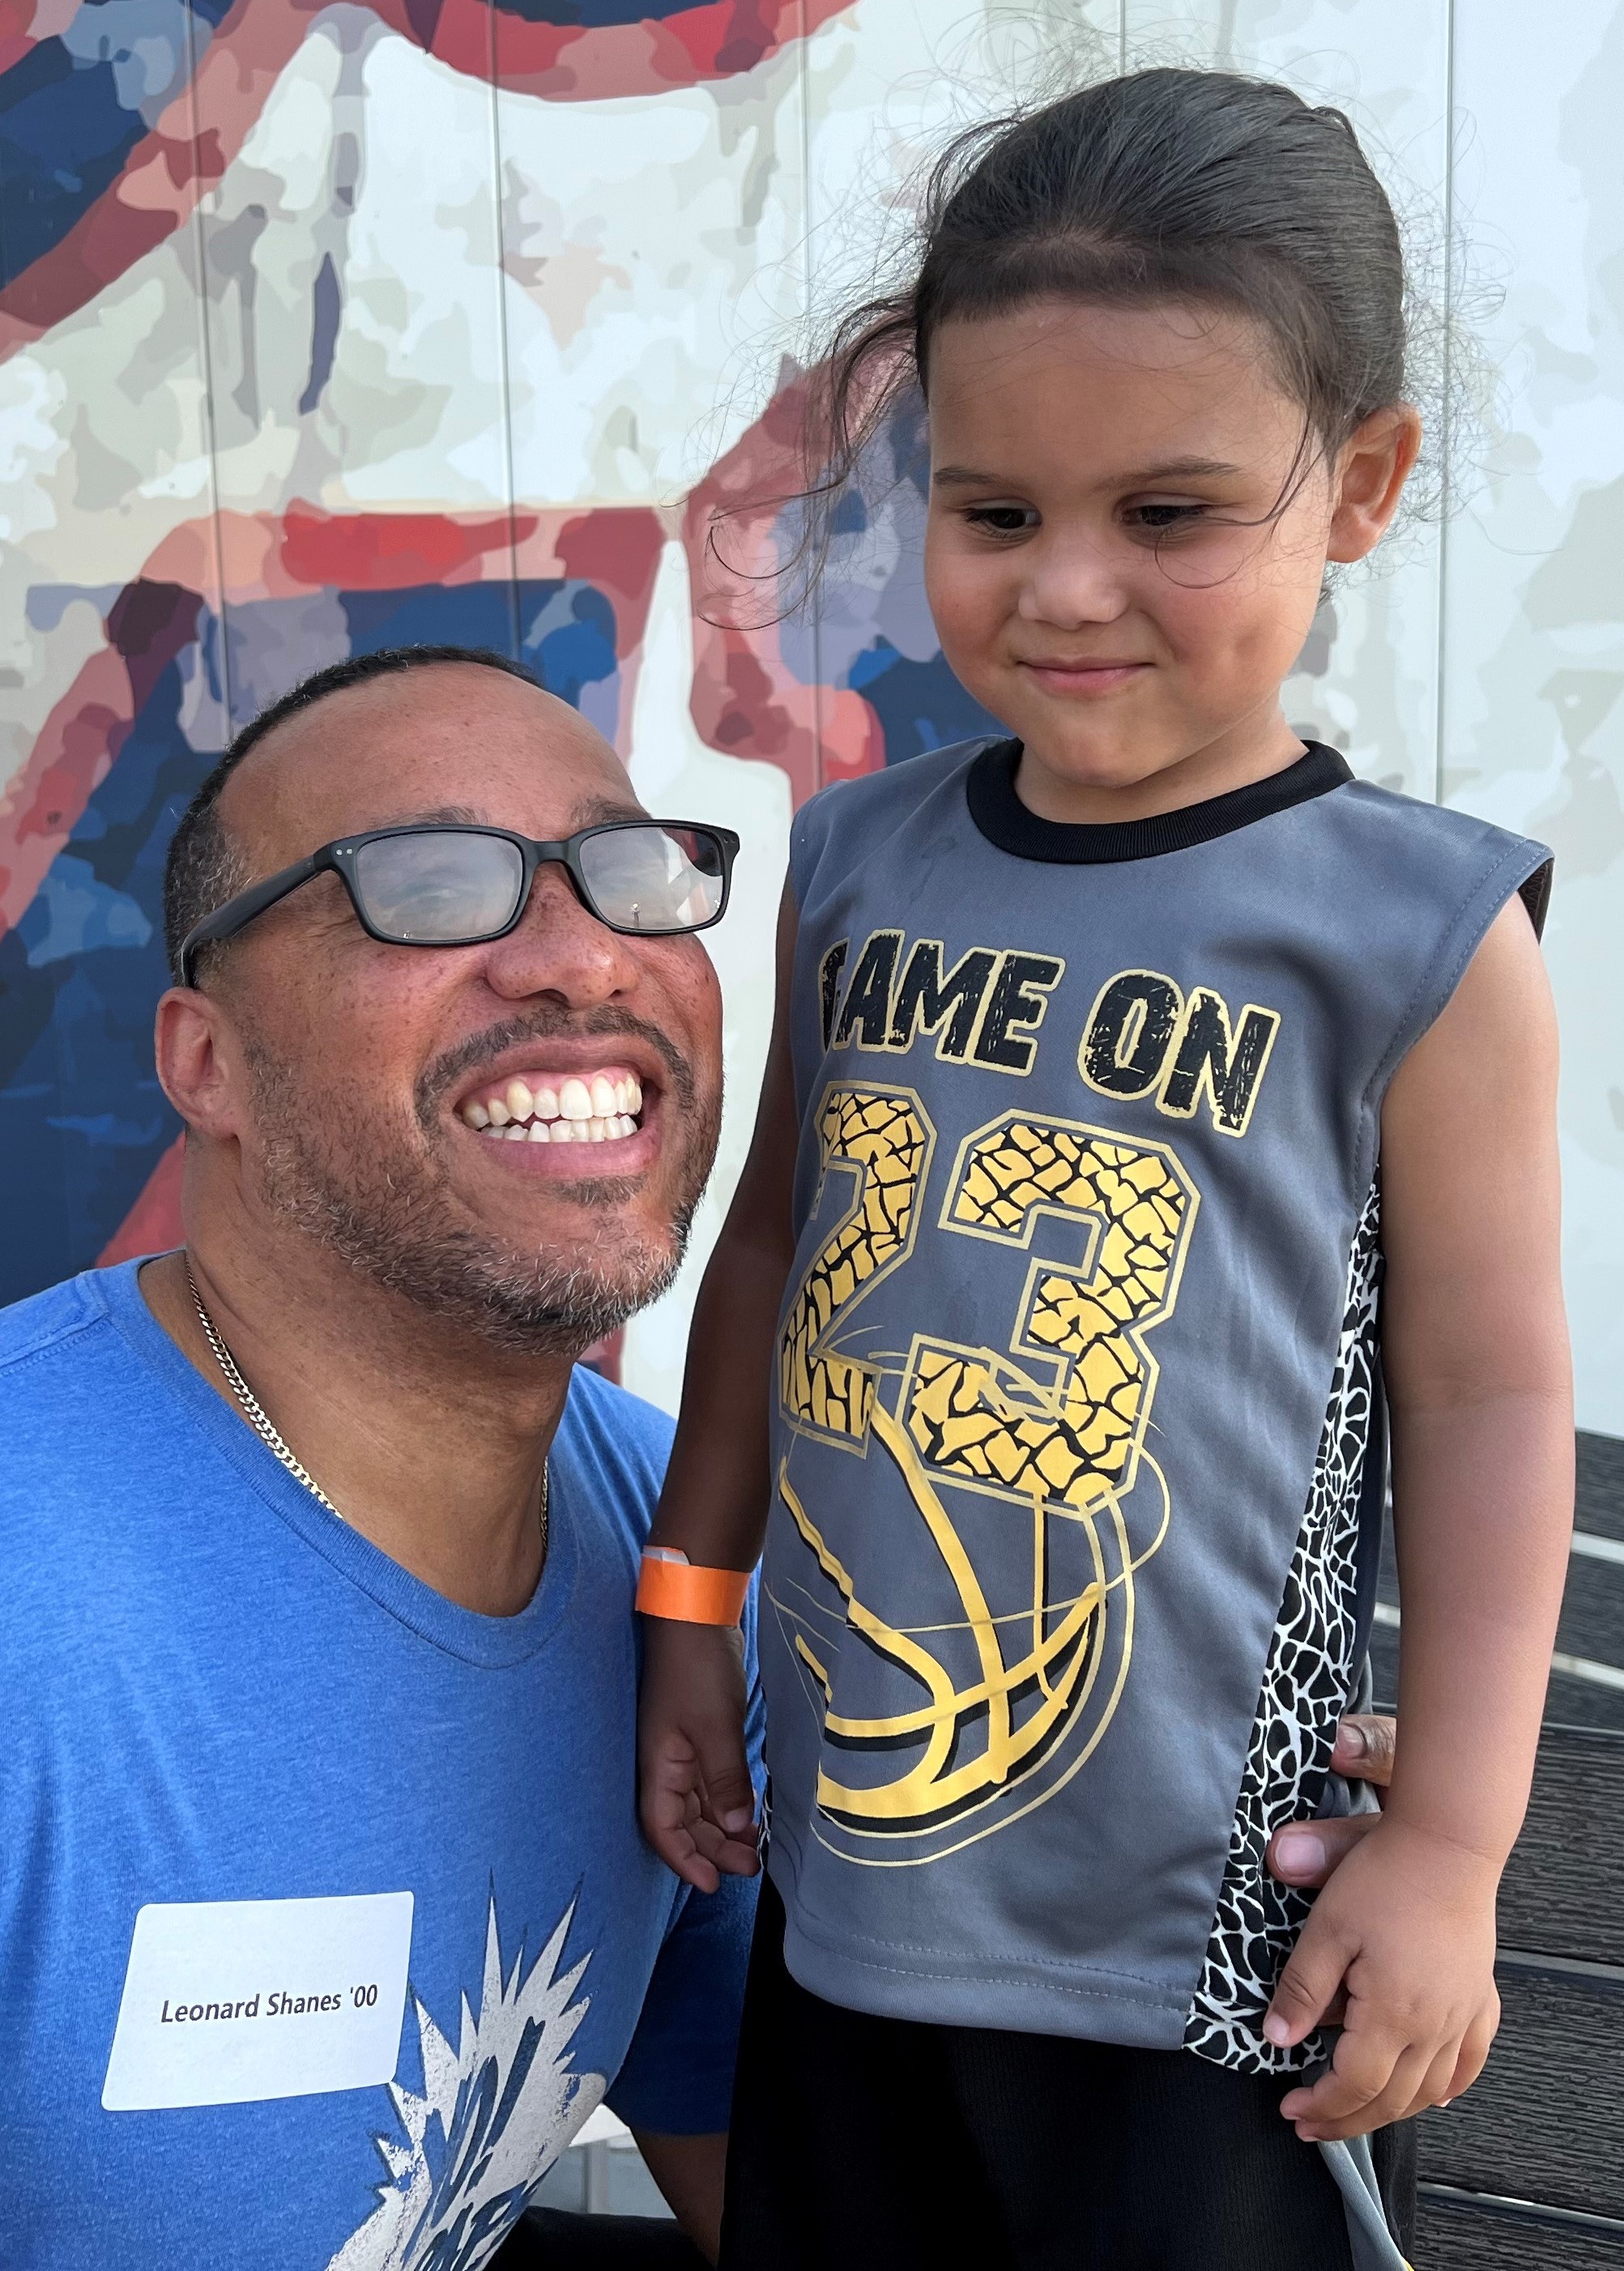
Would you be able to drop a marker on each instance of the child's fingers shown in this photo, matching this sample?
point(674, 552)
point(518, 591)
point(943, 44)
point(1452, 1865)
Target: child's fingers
point(734, 1856)
point(1437, 2083)
point(1474, 2049)
point(1383, 2073)
point(728, 1791)
point(729, 1855)
point(696, 1852)
point(693, 1869)
point(679, 1847)
point(702, 1856)
point(1356, 2074)
point(1371, 2079)
point(1311, 1977)
point(669, 1809)
point(692, 1833)
point(667, 1780)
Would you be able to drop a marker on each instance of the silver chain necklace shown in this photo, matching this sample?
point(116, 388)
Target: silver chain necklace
point(255, 1413)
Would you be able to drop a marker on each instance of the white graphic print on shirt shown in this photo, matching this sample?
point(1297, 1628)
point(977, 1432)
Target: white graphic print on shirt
point(493, 2117)
point(1308, 1682)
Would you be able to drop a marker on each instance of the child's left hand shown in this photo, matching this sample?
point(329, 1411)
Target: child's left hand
point(1405, 1930)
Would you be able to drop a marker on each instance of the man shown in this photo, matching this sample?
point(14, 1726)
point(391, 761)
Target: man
point(325, 1919)
point(314, 1761)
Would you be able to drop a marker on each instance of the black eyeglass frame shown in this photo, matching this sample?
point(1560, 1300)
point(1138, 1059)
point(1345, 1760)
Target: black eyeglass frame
point(339, 858)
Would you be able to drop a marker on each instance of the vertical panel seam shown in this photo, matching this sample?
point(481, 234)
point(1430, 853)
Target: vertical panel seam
point(804, 51)
point(505, 381)
point(1446, 408)
point(206, 356)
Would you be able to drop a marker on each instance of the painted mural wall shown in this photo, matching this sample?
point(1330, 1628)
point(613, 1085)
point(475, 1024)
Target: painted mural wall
point(324, 328)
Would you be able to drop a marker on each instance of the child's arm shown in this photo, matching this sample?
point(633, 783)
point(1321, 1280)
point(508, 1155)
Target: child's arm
point(695, 1792)
point(1475, 1352)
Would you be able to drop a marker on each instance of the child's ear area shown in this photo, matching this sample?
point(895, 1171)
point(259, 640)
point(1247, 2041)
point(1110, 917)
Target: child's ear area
point(1375, 463)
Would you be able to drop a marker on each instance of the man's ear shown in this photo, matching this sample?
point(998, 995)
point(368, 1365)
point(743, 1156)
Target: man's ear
point(199, 1062)
point(1374, 463)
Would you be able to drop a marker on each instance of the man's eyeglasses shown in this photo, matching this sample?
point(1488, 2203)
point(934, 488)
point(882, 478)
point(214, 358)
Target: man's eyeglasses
point(431, 884)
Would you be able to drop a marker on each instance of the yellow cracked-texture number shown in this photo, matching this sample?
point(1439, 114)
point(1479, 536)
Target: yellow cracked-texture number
point(885, 1135)
point(976, 1418)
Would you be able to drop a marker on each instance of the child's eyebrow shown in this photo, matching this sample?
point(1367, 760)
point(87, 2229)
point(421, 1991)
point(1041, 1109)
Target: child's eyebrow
point(1172, 469)
point(1187, 469)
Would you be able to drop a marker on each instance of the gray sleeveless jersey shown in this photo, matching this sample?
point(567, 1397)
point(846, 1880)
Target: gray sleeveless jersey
point(1077, 1454)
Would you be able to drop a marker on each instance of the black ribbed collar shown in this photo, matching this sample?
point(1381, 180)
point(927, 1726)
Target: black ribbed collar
point(1005, 820)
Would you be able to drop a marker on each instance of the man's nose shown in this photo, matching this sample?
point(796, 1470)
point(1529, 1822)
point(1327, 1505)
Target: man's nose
point(1073, 577)
point(556, 947)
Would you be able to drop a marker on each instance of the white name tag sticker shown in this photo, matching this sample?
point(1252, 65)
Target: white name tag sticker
point(227, 2001)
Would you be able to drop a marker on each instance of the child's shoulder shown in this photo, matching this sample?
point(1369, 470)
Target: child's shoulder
point(1390, 811)
point(1443, 853)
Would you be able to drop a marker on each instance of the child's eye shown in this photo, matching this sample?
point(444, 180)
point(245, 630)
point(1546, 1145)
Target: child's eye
point(1156, 519)
point(1002, 519)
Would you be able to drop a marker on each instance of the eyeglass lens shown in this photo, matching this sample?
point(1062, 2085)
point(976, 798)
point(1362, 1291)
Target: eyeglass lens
point(439, 885)
point(458, 886)
point(653, 878)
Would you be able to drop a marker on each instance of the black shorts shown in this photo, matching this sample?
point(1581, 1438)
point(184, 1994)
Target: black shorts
point(552, 2239)
point(861, 2141)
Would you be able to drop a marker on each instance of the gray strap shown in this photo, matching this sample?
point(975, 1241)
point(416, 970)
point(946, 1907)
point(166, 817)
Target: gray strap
point(1369, 2241)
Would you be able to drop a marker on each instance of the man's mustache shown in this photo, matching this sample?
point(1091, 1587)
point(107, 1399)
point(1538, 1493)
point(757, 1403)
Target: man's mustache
point(544, 1025)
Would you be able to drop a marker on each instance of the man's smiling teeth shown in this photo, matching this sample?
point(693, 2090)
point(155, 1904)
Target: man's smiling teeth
point(599, 1109)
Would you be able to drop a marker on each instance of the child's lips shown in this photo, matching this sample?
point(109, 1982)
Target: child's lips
point(1058, 675)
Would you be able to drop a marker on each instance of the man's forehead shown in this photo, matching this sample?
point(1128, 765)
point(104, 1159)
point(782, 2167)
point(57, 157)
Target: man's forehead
point(587, 813)
point(457, 743)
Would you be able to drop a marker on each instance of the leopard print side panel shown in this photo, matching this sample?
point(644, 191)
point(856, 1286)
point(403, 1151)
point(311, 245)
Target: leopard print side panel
point(1307, 1682)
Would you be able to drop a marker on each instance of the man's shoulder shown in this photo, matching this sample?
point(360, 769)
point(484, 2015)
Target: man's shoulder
point(75, 1419)
point(48, 1337)
point(81, 1408)
point(603, 1408)
point(620, 1443)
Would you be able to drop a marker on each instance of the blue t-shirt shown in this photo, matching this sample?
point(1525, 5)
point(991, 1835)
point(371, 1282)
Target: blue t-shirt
point(217, 1693)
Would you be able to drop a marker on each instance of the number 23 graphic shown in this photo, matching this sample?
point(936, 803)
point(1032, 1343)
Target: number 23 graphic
point(975, 1415)
point(1067, 1445)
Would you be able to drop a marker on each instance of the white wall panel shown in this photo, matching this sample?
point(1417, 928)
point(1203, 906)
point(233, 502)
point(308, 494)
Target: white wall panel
point(1533, 623)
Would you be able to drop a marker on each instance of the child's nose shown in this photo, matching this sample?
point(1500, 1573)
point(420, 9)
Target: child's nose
point(1073, 578)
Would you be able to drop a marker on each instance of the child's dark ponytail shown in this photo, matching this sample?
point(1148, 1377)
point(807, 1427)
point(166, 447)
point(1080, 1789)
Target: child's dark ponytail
point(1187, 185)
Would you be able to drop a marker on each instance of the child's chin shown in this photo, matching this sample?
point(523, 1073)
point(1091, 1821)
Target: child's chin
point(1103, 760)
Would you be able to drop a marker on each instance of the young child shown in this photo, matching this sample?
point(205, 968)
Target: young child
point(1155, 1114)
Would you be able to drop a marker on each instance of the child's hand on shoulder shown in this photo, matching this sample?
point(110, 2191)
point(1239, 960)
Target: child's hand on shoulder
point(696, 1799)
point(1404, 1931)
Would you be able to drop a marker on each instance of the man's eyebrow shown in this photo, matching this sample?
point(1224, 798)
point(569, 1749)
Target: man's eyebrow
point(599, 809)
point(587, 815)
point(1171, 469)
point(442, 815)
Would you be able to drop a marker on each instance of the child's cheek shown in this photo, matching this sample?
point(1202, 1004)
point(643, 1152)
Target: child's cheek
point(970, 604)
point(1235, 640)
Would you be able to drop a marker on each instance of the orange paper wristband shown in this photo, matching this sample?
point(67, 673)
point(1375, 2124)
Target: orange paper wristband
point(688, 1595)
